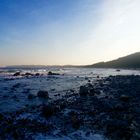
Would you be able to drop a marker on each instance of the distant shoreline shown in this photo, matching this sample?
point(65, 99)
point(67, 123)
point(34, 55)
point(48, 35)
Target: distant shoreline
point(45, 67)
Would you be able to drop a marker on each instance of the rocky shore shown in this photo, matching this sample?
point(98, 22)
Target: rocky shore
point(110, 107)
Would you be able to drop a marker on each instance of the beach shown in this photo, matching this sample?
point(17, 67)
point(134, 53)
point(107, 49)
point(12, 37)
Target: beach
point(70, 103)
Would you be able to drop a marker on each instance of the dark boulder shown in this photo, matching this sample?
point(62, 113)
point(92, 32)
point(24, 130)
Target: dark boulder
point(1, 116)
point(28, 74)
point(98, 76)
point(17, 74)
point(125, 98)
point(43, 94)
point(76, 123)
point(75, 120)
point(51, 73)
point(118, 70)
point(84, 91)
point(49, 110)
point(37, 74)
point(31, 96)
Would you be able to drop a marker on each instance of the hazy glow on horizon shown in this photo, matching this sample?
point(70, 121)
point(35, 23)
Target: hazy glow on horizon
point(62, 32)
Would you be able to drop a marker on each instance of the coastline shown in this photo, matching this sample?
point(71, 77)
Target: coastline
point(110, 107)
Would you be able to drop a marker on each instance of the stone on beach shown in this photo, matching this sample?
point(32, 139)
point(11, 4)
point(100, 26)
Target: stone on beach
point(49, 110)
point(16, 74)
point(28, 74)
point(125, 98)
point(88, 89)
point(37, 74)
point(1, 116)
point(31, 96)
point(84, 91)
point(51, 73)
point(43, 94)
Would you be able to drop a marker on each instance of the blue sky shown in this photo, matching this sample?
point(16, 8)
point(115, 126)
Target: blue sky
point(52, 32)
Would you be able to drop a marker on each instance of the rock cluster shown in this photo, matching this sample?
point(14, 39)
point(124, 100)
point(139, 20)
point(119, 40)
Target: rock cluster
point(110, 106)
point(27, 74)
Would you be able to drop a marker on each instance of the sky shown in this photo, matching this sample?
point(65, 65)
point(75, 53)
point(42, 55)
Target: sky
point(61, 32)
